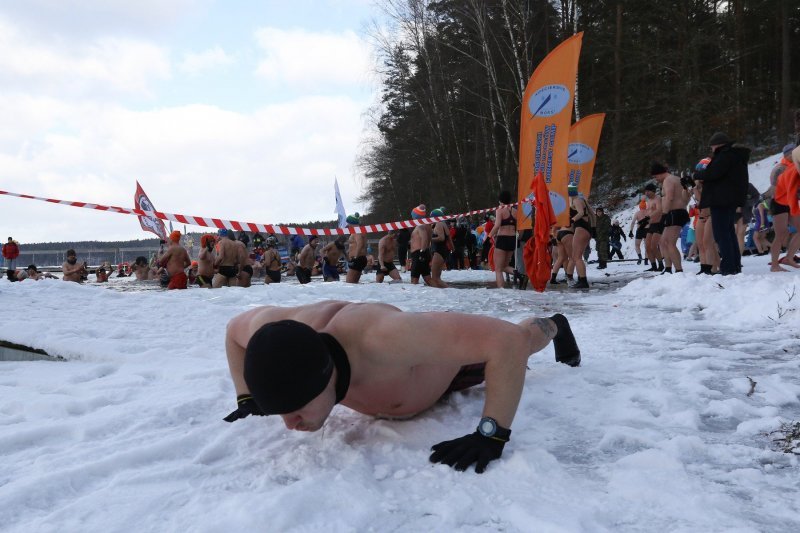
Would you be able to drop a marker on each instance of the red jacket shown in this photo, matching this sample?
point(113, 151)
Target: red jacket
point(10, 250)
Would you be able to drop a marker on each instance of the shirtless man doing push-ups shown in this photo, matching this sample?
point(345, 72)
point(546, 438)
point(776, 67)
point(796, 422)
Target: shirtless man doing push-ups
point(298, 362)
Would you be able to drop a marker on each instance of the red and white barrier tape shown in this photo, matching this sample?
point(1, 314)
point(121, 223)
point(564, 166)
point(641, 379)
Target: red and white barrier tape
point(251, 226)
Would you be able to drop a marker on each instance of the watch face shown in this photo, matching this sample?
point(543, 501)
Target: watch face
point(487, 426)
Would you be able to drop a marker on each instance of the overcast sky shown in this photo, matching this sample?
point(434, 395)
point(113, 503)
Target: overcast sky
point(243, 110)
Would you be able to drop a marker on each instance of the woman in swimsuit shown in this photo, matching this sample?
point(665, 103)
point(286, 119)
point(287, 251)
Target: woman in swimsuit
point(579, 216)
point(504, 235)
point(563, 237)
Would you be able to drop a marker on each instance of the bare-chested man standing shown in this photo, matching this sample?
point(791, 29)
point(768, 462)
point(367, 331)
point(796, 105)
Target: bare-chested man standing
point(640, 220)
point(175, 260)
point(420, 245)
point(205, 262)
point(674, 200)
point(654, 229)
point(72, 270)
point(331, 253)
point(306, 260)
point(387, 248)
point(442, 244)
point(226, 261)
point(356, 251)
point(245, 264)
point(272, 261)
point(298, 362)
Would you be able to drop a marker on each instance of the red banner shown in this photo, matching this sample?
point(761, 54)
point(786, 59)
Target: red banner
point(148, 222)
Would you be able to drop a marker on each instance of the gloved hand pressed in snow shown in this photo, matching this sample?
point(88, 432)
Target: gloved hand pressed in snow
point(473, 448)
point(246, 406)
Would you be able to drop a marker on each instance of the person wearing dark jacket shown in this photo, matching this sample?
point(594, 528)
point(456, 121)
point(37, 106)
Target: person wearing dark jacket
point(602, 233)
point(725, 183)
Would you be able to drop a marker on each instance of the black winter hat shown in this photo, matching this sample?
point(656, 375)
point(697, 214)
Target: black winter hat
point(286, 365)
point(657, 168)
point(719, 138)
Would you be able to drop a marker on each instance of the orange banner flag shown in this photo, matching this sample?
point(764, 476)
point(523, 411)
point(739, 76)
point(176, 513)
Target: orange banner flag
point(584, 136)
point(536, 254)
point(544, 127)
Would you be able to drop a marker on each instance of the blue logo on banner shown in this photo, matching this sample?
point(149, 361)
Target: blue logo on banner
point(549, 100)
point(579, 153)
point(558, 202)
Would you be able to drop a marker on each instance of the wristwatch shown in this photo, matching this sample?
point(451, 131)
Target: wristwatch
point(488, 428)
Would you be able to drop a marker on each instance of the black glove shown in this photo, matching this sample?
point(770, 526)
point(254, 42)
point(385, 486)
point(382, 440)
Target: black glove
point(247, 406)
point(630, 234)
point(473, 448)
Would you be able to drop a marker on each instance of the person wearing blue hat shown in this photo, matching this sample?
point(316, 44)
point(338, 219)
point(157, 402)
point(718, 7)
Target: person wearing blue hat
point(227, 261)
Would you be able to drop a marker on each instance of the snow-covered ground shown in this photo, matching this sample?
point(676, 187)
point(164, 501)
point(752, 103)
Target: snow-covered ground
point(654, 432)
point(660, 428)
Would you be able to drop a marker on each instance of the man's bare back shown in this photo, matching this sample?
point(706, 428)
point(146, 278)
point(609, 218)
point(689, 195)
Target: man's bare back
point(176, 259)
point(228, 253)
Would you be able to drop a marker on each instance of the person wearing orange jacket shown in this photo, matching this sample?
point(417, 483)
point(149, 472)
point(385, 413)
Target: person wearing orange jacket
point(785, 208)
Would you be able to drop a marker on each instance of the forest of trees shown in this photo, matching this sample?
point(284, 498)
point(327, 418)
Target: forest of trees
point(667, 73)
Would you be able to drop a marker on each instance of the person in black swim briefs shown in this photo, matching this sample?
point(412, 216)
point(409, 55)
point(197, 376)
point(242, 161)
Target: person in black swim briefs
point(654, 228)
point(504, 234)
point(356, 251)
point(387, 248)
point(419, 245)
point(564, 237)
point(306, 260)
point(272, 261)
point(331, 253)
point(579, 217)
point(674, 201)
point(298, 362)
point(226, 261)
point(442, 245)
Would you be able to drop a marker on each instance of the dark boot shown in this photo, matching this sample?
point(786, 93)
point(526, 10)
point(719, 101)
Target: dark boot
point(553, 280)
point(645, 261)
point(667, 270)
point(566, 348)
point(639, 261)
point(601, 264)
point(582, 283)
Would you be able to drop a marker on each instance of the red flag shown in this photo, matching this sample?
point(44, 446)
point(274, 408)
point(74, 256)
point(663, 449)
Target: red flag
point(148, 222)
point(536, 255)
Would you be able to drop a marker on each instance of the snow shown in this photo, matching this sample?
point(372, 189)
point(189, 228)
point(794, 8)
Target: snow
point(655, 431)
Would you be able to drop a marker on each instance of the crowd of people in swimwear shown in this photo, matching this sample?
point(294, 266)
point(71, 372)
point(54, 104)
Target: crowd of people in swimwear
point(714, 212)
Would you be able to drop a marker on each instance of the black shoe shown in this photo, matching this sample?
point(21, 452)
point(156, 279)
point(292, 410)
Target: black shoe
point(566, 348)
point(645, 261)
point(582, 283)
point(639, 261)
